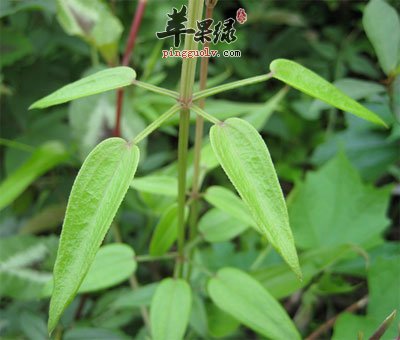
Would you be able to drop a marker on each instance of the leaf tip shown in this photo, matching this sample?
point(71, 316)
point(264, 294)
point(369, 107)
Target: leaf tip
point(34, 105)
point(275, 64)
point(50, 326)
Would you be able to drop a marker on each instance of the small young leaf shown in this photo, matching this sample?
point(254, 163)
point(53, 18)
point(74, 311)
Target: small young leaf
point(241, 296)
point(159, 185)
point(165, 232)
point(170, 310)
point(244, 157)
point(101, 81)
point(309, 82)
point(225, 200)
point(382, 25)
point(97, 193)
point(113, 264)
point(43, 159)
point(94, 22)
point(217, 226)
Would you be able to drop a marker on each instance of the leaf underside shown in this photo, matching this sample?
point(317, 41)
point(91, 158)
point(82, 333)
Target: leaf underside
point(312, 84)
point(97, 193)
point(102, 81)
point(245, 158)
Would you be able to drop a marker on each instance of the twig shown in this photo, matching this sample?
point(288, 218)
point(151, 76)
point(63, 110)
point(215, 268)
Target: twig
point(329, 324)
point(81, 306)
point(125, 60)
point(143, 310)
point(383, 326)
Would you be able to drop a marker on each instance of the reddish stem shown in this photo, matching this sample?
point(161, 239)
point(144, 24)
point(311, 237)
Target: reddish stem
point(125, 60)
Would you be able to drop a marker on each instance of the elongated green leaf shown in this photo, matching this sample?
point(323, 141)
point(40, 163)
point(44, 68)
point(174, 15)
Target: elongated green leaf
point(101, 81)
point(160, 185)
point(43, 159)
point(217, 226)
point(93, 21)
point(47, 219)
point(309, 82)
point(132, 299)
point(382, 25)
point(170, 310)
point(97, 193)
point(166, 232)
point(228, 202)
point(245, 159)
point(23, 271)
point(279, 281)
point(241, 296)
point(113, 264)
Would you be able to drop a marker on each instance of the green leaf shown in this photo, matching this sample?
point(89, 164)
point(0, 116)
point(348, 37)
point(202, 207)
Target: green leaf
point(349, 326)
point(370, 152)
point(43, 159)
point(244, 157)
point(92, 118)
point(217, 226)
point(238, 294)
point(198, 317)
point(79, 333)
point(135, 298)
point(97, 193)
point(220, 324)
point(113, 264)
point(258, 118)
point(160, 185)
point(165, 232)
point(14, 46)
point(382, 25)
point(333, 207)
point(309, 82)
point(383, 298)
point(23, 273)
point(229, 203)
point(170, 309)
point(94, 22)
point(47, 219)
point(106, 80)
point(385, 273)
point(354, 88)
point(33, 325)
point(279, 281)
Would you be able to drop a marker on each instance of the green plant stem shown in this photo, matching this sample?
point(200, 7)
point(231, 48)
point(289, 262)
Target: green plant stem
point(155, 124)
point(182, 167)
point(156, 89)
point(205, 115)
point(16, 145)
point(230, 86)
point(194, 207)
point(195, 8)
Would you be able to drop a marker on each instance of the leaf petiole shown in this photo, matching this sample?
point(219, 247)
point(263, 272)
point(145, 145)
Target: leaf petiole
point(204, 114)
point(155, 124)
point(233, 85)
point(156, 89)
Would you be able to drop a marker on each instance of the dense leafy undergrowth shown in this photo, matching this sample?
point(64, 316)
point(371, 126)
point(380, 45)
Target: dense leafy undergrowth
point(339, 175)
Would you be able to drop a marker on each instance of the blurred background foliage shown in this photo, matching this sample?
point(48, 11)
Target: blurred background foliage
point(340, 173)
